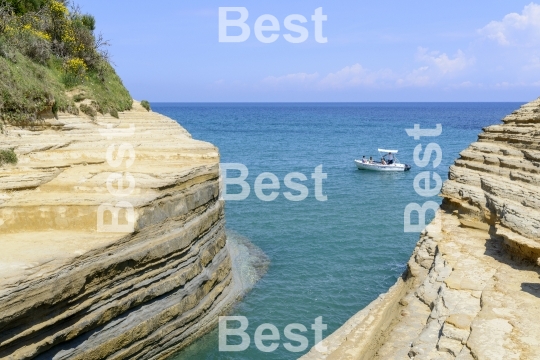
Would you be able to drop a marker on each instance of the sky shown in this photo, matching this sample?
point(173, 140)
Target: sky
point(384, 50)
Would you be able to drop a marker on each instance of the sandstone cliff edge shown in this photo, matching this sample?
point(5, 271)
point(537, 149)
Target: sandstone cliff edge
point(69, 291)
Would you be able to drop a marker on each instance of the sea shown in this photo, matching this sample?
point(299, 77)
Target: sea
point(332, 253)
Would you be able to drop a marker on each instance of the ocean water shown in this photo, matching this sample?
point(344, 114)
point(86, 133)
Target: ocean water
point(330, 258)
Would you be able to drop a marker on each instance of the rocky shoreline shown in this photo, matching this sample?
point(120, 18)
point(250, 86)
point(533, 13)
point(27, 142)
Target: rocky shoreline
point(472, 286)
point(69, 291)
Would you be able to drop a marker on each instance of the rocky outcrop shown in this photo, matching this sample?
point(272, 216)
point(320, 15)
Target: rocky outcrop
point(496, 180)
point(68, 290)
point(472, 287)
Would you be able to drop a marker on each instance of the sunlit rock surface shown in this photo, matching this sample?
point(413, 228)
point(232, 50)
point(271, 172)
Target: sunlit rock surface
point(69, 291)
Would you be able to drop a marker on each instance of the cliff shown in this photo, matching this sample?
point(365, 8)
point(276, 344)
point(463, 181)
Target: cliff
point(471, 289)
point(69, 291)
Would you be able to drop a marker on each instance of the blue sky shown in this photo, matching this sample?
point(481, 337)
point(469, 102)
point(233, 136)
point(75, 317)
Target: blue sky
point(387, 50)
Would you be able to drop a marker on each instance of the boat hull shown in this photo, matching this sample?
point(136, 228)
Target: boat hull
point(380, 167)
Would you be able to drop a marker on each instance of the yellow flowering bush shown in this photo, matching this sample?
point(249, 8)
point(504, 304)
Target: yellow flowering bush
point(40, 34)
point(47, 28)
point(71, 40)
point(58, 9)
point(26, 35)
point(75, 67)
point(46, 49)
point(75, 70)
point(68, 36)
point(9, 30)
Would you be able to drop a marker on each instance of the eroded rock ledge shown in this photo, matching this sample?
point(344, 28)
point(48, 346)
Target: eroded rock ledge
point(68, 291)
point(472, 287)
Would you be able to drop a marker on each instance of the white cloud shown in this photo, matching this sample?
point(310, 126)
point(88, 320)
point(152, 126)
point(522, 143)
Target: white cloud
point(436, 66)
point(347, 75)
point(291, 79)
point(534, 64)
point(516, 29)
point(442, 62)
point(418, 77)
point(507, 85)
point(355, 75)
point(465, 85)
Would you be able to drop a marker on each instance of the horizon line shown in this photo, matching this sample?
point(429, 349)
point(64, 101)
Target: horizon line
point(335, 102)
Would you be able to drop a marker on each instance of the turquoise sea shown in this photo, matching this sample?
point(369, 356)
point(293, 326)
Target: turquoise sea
point(330, 258)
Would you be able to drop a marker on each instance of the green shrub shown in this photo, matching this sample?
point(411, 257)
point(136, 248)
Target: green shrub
point(46, 50)
point(106, 88)
point(145, 104)
point(88, 110)
point(6, 51)
point(89, 22)
point(114, 113)
point(24, 6)
point(54, 109)
point(36, 48)
point(8, 157)
point(79, 97)
point(74, 72)
point(28, 88)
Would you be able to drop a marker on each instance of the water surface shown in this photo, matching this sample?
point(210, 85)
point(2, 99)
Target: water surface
point(330, 258)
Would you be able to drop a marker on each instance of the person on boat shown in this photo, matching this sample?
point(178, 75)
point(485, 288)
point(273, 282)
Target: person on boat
point(390, 158)
point(371, 159)
point(383, 161)
point(364, 160)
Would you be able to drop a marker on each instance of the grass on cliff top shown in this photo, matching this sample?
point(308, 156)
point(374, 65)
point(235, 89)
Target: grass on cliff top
point(28, 88)
point(104, 88)
point(48, 50)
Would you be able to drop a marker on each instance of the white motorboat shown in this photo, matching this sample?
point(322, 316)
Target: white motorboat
point(380, 166)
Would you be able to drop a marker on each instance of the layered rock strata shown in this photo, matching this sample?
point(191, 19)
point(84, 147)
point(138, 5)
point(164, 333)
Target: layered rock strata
point(70, 291)
point(472, 285)
point(496, 181)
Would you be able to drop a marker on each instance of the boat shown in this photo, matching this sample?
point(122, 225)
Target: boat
point(379, 166)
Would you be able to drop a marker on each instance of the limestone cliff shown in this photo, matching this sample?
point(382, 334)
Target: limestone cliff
point(69, 291)
point(472, 287)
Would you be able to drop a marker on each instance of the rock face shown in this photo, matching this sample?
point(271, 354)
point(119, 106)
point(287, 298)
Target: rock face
point(69, 291)
point(496, 182)
point(472, 287)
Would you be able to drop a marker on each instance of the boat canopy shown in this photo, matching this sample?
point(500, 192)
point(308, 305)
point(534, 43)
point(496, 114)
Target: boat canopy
point(388, 151)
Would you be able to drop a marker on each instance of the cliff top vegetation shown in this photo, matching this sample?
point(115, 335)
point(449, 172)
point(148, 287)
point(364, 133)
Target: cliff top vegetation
point(52, 60)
